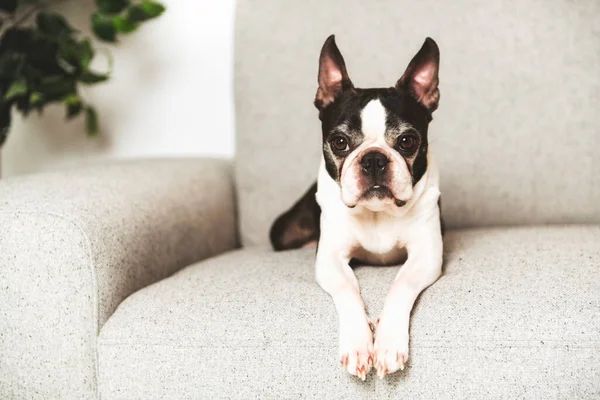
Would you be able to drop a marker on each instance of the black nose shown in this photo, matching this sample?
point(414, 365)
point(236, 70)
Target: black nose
point(374, 162)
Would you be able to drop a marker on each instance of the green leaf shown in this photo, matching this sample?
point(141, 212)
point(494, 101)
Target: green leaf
point(11, 64)
point(72, 99)
point(74, 110)
point(56, 86)
point(86, 53)
point(53, 24)
point(77, 54)
point(22, 104)
point(144, 11)
point(8, 5)
point(103, 27)
point(91, 121)
point(35, 98)
point(37, 101)
point(16, 89)
point(123, 25)
point(112, 6)
point(91, 77)
point(74, 105)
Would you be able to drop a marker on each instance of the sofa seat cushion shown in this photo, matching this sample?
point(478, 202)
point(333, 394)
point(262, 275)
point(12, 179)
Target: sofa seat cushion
point(516, 313)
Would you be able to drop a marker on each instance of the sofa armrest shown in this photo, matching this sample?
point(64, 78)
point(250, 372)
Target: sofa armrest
point(74, 244)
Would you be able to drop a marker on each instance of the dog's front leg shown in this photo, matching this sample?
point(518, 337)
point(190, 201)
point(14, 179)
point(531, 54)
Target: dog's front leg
point(422, 268)
point(336, 277)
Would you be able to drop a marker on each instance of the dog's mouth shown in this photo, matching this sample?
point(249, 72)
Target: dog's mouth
point(381, 192)
point(378, 191)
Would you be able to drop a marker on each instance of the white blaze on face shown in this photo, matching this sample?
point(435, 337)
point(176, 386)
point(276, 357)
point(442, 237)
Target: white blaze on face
point(373, 119)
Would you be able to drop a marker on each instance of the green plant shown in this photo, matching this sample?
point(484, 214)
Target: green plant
point(46, 62)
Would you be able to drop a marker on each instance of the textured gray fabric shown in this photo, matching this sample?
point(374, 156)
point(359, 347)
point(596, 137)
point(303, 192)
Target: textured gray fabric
point(74, 244)
point(518, 129)
point(516, 315)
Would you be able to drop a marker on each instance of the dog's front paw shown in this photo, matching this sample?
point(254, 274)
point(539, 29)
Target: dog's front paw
point(391, 346)
point(356, 347)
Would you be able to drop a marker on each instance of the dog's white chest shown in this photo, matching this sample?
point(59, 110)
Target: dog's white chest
point(376, 233)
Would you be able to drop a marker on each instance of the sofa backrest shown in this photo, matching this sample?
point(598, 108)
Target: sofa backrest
point(517, 133)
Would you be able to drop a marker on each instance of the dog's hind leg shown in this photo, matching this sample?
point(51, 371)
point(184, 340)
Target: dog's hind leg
point(299, 226)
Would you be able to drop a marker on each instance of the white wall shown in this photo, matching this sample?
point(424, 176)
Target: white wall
point(171, 94)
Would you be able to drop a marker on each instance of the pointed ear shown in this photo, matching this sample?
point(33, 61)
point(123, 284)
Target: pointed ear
point(333, 77)
point(421, 76)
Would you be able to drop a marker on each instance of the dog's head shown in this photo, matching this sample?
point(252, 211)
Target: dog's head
point(375, 140)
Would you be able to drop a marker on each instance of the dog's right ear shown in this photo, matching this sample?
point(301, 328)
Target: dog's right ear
point(333, 77)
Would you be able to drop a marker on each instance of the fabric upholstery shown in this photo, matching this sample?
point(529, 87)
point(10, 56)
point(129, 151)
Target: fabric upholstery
point(518, 129)
point(515, 315)
point(74, 244)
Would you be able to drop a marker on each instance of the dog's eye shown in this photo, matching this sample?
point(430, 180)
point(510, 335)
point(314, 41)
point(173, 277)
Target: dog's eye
point(407, 142)
point(339, 144)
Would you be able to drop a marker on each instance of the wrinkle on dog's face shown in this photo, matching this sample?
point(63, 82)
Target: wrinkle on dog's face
point(374, 120)
point(357, 122)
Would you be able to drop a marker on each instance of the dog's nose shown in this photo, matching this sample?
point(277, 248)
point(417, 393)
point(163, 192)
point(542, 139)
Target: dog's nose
point(374, 162)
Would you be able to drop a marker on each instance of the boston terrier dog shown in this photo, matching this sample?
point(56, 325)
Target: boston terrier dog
point(376, 201)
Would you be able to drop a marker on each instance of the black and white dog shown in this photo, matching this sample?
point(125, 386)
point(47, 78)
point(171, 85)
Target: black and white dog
point(376, 199)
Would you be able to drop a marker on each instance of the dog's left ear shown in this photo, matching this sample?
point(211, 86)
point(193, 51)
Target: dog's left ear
point(421, 76)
